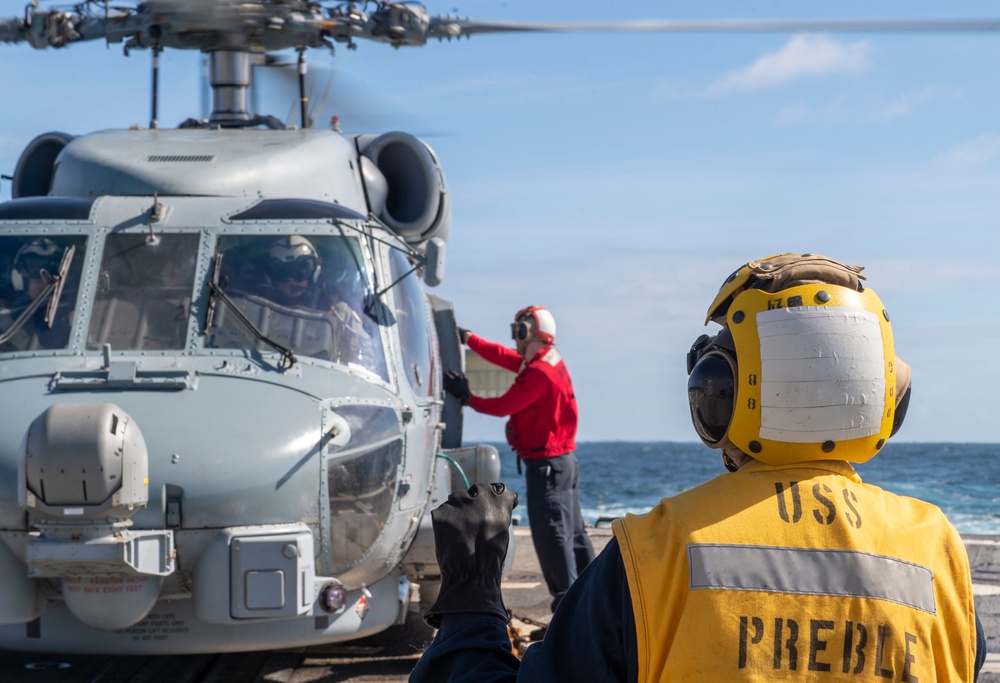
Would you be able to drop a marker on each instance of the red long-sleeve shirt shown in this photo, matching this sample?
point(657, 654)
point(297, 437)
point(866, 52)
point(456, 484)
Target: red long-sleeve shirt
point(540, 403)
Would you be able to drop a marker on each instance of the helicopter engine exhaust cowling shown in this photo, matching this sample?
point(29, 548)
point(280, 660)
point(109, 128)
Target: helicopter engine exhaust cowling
point(36, 166)
point(415, 204)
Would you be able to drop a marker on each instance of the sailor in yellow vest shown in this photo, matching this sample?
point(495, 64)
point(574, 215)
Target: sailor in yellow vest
point(788, 568)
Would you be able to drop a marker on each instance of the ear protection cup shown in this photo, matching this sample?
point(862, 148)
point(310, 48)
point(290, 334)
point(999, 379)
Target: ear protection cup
point(522, 329)
point(534, 321)
point(17, 280)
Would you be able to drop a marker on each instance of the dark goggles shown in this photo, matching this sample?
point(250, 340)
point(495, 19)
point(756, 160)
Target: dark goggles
point(520, 329)
point(31, 268)
point(711, 387)
point(301, 269)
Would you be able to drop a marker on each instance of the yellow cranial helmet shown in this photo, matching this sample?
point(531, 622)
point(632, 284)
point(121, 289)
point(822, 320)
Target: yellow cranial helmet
point(804, 367)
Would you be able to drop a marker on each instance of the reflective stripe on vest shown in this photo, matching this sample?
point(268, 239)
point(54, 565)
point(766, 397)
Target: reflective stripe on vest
point(552, 356)
point(845, 573)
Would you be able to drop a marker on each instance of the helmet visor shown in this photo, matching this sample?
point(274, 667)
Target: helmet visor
point(32, 266)
point(301, 269)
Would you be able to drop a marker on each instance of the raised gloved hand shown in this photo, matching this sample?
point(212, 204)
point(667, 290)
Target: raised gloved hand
point(456, 384)
point(464, 334)
point(471, 533)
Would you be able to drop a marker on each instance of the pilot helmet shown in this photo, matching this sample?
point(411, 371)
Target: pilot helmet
point(295, 258)
point(534, 322)
point(804, 367)
point(33, 258)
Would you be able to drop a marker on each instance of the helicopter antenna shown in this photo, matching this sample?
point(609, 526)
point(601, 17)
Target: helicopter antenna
point(204, 85)
point(303, 97)
point(154, 118)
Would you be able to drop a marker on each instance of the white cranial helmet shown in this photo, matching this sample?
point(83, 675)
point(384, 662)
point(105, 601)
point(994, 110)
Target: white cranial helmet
point(534, 322)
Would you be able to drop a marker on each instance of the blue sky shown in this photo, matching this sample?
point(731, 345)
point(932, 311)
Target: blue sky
point(617, 179)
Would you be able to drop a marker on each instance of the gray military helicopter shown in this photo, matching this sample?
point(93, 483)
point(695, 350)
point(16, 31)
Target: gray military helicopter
point(221, 376)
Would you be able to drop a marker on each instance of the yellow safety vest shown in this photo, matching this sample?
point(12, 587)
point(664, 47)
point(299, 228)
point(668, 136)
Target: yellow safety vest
point(798, 573)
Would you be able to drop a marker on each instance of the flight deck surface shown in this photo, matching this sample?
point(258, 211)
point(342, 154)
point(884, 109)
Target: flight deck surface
point(378, 659)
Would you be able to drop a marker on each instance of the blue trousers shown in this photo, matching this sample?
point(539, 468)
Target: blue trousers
point(561, 542)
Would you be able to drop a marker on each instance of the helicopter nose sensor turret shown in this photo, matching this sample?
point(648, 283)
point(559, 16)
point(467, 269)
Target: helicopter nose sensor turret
point(84, 472)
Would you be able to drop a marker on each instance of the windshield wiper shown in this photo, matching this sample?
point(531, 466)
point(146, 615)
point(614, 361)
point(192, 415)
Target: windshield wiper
point(52, 292)
point(59, 282)
point(215, 291)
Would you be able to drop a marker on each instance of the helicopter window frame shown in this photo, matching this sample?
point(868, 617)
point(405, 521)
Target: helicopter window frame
point(295, 209)
point(72, 298)
point(380, 370)
point(421, 375)
point(124, 294)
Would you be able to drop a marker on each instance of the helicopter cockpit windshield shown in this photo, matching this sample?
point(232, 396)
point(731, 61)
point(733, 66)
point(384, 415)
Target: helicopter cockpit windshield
point(39, 281)
point(307, 293)
point(144, 291)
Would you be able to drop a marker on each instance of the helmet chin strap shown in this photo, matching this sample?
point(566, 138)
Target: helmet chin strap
point(733, 458)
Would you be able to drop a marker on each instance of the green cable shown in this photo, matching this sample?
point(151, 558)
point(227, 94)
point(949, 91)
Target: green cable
point(457, 466)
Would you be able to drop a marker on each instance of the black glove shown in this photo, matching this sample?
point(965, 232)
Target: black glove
point(471, 532)
point(463, 335)
point(456, 384)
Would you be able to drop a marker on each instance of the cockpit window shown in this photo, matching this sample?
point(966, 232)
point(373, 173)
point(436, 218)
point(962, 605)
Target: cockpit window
point(307, 293)
point(39, 282)
point(414, 332)
point(144, 288)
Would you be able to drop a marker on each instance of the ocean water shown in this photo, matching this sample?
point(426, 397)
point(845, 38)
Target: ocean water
point(621, 476)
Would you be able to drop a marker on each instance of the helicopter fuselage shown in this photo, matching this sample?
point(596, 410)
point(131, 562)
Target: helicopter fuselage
point(223, 412)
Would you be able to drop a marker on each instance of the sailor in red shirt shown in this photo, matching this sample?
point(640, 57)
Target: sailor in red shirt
point(542, 431)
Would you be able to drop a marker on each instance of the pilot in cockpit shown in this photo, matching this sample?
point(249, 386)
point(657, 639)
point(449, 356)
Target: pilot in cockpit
point(298, 277)
point(35, 267)
point(293, 268)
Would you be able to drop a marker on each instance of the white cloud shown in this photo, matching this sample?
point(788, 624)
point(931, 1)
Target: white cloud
point(829, 112)
point(803, 56)
point(878, 110)
point(903, 105)
point(978, 152)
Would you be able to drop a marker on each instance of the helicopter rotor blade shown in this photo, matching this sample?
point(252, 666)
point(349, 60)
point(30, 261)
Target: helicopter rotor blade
point(279, 24)
point(445, 28)
point(331, 92)
point(276, 82)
